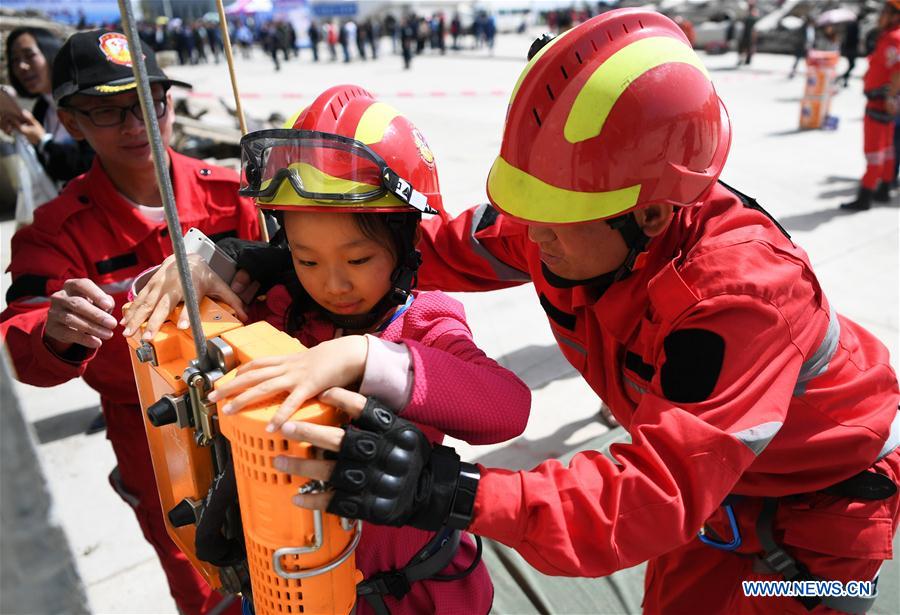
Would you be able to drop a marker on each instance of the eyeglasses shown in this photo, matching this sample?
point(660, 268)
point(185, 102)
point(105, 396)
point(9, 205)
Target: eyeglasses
point(104, 117)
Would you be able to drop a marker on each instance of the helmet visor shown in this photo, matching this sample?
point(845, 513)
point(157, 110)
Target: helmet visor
point(319, 166)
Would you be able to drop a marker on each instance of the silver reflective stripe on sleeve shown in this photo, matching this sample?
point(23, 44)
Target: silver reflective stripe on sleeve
point(816, 365)
point(757, 438)
point(893, 439)
point(117, 287)
point(504, 272)
point(634, 385)
point(567, 342)
point(33, 300)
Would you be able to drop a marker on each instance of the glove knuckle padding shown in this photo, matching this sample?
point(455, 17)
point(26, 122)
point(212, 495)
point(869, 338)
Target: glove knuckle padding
point(379, 467)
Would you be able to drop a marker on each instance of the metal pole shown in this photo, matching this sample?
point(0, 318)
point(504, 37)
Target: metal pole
point(163, 180)
point(238, 108)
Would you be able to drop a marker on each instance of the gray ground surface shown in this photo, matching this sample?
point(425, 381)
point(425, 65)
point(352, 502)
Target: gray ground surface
point(458, 102)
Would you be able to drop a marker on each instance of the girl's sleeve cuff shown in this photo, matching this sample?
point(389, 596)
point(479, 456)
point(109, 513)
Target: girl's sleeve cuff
point(388, 374)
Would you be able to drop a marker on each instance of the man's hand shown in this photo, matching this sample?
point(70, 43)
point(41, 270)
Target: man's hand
point(387, 472)
point(79, 314)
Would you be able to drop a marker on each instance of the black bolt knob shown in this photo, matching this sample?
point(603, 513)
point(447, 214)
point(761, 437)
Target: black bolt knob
point(162, 412)
point(182, 514)
point(539, 43)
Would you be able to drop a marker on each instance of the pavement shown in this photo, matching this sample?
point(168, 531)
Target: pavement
point(458, 101)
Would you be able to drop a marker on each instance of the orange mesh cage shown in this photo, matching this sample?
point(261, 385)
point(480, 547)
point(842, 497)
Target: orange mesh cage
point(299, 561)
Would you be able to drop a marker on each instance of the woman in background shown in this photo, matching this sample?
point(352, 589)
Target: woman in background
point(29, 59)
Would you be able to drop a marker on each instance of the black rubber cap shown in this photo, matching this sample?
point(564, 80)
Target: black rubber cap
point(162, 413)
point(182, 514)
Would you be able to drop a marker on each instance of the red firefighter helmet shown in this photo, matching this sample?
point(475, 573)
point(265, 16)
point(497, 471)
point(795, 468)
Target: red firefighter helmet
point(345, 152)
point(614, 114)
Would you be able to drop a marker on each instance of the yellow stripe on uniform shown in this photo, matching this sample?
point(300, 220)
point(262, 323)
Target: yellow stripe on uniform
point(374, 123)
point(525, 196)
point(603, 88)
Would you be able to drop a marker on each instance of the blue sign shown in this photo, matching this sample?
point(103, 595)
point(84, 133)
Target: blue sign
point(335, 9)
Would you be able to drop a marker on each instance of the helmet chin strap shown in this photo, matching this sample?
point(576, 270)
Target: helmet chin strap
point(635, 240)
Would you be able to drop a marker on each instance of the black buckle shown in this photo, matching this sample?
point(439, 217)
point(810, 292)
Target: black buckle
point(393, 582)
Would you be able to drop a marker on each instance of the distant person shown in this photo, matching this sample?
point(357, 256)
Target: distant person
point(392, 29)
point(331, 37)
point(374, 33)
point(830, 40)
point(245, 39)
point(490, 32)
point(455, 30)
point(347, 35)
point(29, 58)
point(361, 37)
point(269, 36)
point(881, 85)
point(315, 35)
point(408, 40)
point(850, 47)
point(688, 28)
point(747, 42)
point(804, 41)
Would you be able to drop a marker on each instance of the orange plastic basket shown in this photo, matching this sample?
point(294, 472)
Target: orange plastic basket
point(300, 561)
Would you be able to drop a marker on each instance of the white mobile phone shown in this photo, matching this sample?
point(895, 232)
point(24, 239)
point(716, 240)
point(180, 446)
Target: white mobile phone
point(196, 242)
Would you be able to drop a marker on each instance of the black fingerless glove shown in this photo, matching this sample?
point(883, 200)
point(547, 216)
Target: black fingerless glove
point(388, 473)
point(267, 264)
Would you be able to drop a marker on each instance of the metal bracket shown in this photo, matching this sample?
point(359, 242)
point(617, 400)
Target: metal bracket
point(146, 353)
point(305, 573)
point(221, 354)
point(199, 384)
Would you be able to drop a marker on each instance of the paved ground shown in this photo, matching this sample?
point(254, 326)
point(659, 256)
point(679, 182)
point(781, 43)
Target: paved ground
point(459, 101)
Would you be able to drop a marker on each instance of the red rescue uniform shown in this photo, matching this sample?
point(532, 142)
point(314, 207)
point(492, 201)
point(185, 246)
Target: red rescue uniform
point(722, 358)
point(91, 231)
point(878, 125)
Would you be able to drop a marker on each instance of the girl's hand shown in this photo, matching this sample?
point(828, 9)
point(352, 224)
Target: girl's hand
point(323, 437)
point(163, 292)
point(339, 362)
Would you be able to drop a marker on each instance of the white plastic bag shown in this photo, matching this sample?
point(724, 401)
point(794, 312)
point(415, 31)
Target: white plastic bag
point(35, 186)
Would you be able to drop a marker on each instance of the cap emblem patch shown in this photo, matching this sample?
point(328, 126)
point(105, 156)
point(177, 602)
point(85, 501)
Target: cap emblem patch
point(114, 46)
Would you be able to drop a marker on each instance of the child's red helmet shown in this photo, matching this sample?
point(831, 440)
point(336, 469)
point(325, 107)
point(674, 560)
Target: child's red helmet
point(347, 152)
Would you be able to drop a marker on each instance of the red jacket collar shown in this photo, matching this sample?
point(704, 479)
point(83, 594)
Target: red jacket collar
point(129, 222)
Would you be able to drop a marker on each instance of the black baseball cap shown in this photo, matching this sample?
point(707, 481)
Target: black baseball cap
point(98, 63)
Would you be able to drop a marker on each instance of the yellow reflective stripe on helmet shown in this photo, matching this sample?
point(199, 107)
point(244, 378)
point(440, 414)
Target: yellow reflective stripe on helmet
point(525, 196)
point(374, 123)
point(289, 123)
point(532, 62)
point(603, 88)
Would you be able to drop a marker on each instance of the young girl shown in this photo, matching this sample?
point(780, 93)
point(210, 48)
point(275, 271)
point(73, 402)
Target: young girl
point(350, 181)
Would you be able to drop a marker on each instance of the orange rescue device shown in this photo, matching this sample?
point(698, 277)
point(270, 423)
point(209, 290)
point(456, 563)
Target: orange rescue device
point(299, 561)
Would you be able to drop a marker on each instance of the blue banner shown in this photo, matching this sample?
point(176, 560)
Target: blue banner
point(335, 9)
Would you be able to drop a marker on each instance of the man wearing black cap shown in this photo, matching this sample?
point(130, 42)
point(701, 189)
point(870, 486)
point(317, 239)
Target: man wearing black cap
point(72, 269)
